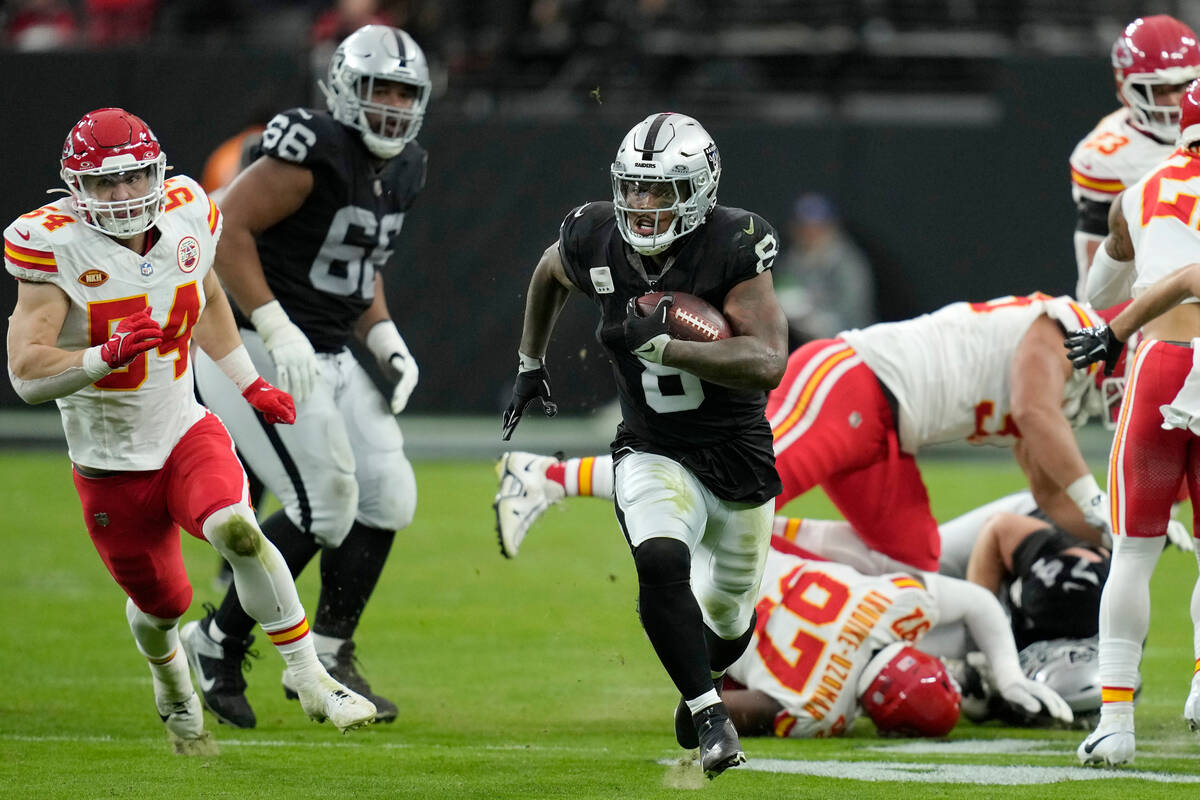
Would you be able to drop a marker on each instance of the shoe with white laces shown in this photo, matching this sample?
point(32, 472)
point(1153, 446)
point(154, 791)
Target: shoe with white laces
point(1111, 743)
point(323, 698)
point(525, 493)
point(343, 666)
point(185, 726)
point(1191, 709)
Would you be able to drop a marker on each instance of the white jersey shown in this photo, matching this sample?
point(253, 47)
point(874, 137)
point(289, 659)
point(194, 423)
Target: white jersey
point(949, 370)
point(1113, 156)
point(819, 624)
point(1161, 214)
point(132, 418)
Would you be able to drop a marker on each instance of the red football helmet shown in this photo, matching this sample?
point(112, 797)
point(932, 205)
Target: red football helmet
point(113, 142)
point(1189, 115)
point(909, 693)
point(1154, 51)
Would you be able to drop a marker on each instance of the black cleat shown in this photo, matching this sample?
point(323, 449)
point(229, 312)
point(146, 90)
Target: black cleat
point(719, 745)
point(685, 728)
point(343, 666)
point(218, 667)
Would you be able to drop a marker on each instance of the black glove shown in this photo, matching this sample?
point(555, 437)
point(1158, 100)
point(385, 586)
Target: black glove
point(647, 336)
point(534, 383)
point(1090, 345)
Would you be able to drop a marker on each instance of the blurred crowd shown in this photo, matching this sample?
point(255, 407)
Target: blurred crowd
point(546, 45)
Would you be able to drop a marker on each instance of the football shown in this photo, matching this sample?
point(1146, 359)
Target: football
point(691, 318)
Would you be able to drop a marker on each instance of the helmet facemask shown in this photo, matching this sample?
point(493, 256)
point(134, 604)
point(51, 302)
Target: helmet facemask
point(1137, 93)
point(108, 148)
point(369, 57)
point(666, 165)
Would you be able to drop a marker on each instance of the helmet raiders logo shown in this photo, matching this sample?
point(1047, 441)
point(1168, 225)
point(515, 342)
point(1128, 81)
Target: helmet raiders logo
point(1121, 56)
point(714, 158)
point(188, 253)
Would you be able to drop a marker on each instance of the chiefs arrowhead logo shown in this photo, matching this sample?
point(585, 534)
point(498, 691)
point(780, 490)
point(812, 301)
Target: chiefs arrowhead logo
point(93, 277)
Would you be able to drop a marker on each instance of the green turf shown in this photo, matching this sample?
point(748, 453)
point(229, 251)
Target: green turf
point(515, 679)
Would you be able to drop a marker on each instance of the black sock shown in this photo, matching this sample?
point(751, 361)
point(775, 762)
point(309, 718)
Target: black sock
point(349, 574)
point(297, 548)
point(671, 615)
point(723, 652)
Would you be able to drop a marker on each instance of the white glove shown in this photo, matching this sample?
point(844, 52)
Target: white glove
point(1033, 696)
point(387, 345)
point(296, 365)
point(1178, 535)
point(1086, 494)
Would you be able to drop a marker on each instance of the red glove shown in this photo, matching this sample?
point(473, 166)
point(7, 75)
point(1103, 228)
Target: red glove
point(134, 335)
point(275, 404)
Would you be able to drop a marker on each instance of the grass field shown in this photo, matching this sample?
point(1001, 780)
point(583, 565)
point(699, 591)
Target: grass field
point(521, 679)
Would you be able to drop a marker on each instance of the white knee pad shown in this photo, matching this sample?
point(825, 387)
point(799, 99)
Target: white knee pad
point(387, 492)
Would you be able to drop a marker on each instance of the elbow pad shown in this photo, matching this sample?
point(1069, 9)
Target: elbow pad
point(1109, 281)
point(69, 381)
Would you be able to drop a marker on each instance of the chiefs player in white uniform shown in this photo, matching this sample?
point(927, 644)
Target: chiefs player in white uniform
point(851, 413)
point(1152, 233)
point(115, 282)
point(1153, 59)
point(830, 640)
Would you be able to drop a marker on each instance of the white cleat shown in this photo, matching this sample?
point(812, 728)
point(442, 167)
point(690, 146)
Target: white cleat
point(1111, 743)
point(1191, 709)
point(185, 726)
point(525, 493)
point(326, 699)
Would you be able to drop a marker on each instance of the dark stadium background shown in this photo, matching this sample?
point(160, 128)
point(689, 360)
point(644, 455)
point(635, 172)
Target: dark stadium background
point(942, 129)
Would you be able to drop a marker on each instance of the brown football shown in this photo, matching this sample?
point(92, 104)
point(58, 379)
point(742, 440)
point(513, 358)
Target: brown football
point(691, 318)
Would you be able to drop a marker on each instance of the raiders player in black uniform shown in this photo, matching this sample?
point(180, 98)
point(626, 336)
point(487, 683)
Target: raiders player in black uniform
point(308, 227)
point(695, 471)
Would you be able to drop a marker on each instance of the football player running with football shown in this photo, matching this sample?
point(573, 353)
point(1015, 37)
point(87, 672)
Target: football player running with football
point(694, 471)
point(115, 284)
point(1155, 447)
point(987, 373)
point(309, 226)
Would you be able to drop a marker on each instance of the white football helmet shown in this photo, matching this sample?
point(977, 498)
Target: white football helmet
point(671, 157)
point(377, 53)
point(1070, 667)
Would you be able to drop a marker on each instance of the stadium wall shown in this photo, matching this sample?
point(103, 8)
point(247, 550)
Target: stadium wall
point(947, 210)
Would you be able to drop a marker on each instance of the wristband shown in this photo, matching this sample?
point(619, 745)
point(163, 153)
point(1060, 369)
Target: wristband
point(1083, 491)
point(238, 367)
point(269, 318)
point(94, 364)
point(384, 340)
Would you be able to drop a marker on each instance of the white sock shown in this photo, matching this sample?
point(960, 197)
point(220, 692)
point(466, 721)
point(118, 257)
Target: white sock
point(591, 476)
point(698, 704)
point(158, 640)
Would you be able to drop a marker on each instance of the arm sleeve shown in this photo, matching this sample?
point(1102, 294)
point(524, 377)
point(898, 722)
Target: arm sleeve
point(985, 620)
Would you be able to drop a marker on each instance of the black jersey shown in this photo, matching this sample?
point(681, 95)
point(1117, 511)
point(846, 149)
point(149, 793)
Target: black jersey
point(320, 261)
point(719, 433)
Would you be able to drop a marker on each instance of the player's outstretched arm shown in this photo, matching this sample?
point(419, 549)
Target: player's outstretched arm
point(1110, 278)
point(753, 712)
point(381, 336)
point(217, 335)
point(755, 357)
point(265, 193)
point(1160, 297)
point(981, 612)
point(549, 289)
point(40, 370)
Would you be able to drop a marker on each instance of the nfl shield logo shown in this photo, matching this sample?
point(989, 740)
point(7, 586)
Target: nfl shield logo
point(101, 519)
point(147, 269)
